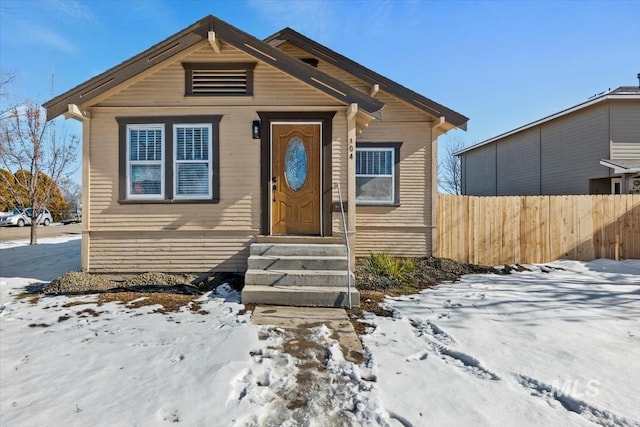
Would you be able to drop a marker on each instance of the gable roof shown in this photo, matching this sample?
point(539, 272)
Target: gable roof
point(368, 75)
point(623, 92)
point(194, 34)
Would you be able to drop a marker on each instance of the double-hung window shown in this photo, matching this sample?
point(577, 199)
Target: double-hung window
point(377, 173)
point(169, 159)
point(192, 167)
point(145, 169)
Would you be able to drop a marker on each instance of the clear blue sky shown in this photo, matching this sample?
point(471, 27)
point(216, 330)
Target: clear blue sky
point(501, 63)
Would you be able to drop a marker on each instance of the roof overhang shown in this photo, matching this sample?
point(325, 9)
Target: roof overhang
point(195, 34)
point(562, 113)
point(378, 81)
point(622, 166)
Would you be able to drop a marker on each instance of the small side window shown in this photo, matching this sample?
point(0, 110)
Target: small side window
point(377, 174)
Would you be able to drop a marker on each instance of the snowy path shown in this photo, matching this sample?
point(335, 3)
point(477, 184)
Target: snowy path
point(557, 349)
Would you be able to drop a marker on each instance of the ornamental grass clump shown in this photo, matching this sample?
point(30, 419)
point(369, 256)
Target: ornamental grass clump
point(384, 265)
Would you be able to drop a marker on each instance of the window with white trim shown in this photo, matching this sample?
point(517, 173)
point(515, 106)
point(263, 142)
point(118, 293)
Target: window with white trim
point(377, 174)
point(145, 161)
point(192, 166)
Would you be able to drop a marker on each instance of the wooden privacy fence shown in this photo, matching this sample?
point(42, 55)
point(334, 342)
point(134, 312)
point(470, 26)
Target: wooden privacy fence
point(535, 229)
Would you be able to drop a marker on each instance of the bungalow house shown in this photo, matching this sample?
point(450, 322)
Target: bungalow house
point(590, 148)
point(216, 151)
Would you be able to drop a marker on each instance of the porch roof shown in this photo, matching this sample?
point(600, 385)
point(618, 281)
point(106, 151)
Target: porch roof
point(622, 165)
point(194, 34)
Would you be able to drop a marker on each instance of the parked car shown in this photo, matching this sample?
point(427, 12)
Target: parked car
point(73, 218)
point(22, 217)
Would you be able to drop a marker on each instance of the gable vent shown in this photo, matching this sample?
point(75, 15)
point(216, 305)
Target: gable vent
point(219, 79)
point(219, 82)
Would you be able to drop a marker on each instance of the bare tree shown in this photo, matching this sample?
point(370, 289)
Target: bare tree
point(449, 170)
point(6, 80)
point(37, 156)
point(72, 192)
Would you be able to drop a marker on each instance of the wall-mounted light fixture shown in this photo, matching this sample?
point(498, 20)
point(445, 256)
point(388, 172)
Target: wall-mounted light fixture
point(255, 129)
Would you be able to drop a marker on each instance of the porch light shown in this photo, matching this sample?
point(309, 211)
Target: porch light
point(255, 129)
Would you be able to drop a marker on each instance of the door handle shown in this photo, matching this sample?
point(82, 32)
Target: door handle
point(274, 187)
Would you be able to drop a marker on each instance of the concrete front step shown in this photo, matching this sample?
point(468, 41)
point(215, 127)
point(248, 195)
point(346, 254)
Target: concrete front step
point(292, 249)
point(321, 278)
point(305, 240)
point(285, 262)
point(311, 296)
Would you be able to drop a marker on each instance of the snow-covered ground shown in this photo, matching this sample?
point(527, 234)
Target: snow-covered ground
point(556, 348)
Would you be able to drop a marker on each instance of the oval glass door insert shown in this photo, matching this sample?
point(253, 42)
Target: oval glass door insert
point(295, 164)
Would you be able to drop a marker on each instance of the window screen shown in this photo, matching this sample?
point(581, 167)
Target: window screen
point(375, 175)
point(192, 161)
point(145, 161)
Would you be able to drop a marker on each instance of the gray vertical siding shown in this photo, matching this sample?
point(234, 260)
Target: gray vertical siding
point(571, 150)
point(480, 171)
point(463, 177)
point(518, 166)
point(560, 156)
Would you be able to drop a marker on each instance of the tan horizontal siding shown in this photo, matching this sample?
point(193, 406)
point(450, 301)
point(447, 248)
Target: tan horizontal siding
point(339, 164)
point(398, 241)
point(168, 251)
point(415, 176)
point(166, 86)
point(395, 109)
point(402, 122)
point(327, 67)
point(403, 230)
point(239, 205)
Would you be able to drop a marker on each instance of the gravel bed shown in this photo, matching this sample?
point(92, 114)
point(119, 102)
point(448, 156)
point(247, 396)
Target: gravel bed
point(428, 272)
point(76, 282)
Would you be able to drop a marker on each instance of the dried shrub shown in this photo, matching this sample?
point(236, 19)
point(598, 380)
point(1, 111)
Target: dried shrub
point(384, 265)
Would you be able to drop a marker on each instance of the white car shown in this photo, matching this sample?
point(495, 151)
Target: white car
point(22, 217)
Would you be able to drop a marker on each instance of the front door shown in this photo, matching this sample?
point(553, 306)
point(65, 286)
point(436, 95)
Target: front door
point(295, 178)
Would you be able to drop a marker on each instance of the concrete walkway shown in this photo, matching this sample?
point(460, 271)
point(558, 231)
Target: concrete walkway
point(299, 320)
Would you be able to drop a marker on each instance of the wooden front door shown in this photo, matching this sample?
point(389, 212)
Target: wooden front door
point(295, 179)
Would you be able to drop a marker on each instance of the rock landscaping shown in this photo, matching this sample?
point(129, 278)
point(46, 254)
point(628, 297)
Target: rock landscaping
point(391, 276)
point(76, 282)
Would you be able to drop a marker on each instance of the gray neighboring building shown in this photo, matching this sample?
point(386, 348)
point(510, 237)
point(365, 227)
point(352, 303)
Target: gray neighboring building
point(590, 148)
